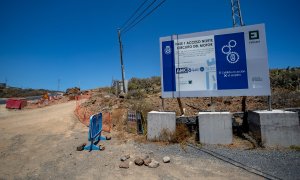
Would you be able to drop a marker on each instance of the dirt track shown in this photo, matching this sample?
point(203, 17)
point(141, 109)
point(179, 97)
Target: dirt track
point(41, 144)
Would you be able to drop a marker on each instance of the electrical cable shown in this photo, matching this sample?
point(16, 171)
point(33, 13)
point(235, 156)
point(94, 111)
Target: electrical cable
point(139, 15)
point(144, 16)
point(133, 14)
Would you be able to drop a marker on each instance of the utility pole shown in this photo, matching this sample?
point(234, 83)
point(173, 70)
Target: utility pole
point(121, 59)
point(58, 84)
point(237, 20)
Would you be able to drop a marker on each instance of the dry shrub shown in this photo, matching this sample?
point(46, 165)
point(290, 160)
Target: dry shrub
point(118, 119)
point(182, 133)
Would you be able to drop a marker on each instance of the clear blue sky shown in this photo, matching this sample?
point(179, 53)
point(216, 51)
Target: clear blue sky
point(76, 41)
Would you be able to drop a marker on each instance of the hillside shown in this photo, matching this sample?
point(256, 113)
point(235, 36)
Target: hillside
point(144, 96)
point(19, 92)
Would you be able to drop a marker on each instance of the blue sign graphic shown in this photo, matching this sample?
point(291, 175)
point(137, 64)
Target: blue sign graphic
point(231, 61)
point(168, 66)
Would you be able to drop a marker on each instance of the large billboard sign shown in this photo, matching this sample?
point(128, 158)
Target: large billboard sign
point(226, 62)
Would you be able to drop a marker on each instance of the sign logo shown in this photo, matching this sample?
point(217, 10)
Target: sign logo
point(183, 70)
point(232, 57)
point(168, 50)
point(253, 35)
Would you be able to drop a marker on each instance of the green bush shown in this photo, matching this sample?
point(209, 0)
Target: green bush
point(147, 85)
point(288, 78)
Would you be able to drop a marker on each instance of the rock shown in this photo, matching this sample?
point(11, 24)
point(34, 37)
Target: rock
point(122, 95)
point(124, 164)
point(166, 159)
point(145, 157)
point(81, 147)
point(147, 161)
point(138, 161)
point(153, 164)
point(124, 158)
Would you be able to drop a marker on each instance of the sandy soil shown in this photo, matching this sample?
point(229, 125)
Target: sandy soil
point(41, 144)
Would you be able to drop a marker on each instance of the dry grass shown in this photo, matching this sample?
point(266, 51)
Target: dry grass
point(119, 119)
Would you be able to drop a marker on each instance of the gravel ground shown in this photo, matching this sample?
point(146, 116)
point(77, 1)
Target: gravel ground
point(283, 164)
point(41, 144)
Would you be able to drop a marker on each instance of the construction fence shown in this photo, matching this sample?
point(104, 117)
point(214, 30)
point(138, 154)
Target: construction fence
point(84, 114)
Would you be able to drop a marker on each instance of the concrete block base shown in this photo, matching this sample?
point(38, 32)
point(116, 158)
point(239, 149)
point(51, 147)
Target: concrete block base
point(161, 125)
point(275, 128)
point(215, 127)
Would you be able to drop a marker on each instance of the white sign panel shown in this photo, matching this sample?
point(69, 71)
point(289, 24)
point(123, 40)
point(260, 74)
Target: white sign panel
point(226, 62)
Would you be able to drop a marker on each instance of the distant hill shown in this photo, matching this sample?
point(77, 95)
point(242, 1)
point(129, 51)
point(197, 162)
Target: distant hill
point(19, 92)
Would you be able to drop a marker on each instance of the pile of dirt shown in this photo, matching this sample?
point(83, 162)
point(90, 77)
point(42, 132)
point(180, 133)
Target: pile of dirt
point(72, 91)
point(33, 104)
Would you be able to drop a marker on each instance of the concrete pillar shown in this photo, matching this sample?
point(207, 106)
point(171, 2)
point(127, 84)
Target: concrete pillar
point(215, 127)
point(161, 125)
point(275, 128)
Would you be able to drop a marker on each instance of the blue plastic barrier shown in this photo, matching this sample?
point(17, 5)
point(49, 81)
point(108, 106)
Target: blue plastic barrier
point(95, 130)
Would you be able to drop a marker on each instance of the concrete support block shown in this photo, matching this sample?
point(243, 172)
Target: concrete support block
point(275, 128)
point(161, 125)
point(215, 127)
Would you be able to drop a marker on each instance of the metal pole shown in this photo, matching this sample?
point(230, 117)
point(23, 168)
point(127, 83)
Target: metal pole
point(162, 103)
point(121, 60)
point(58, 84)
point(270, 103)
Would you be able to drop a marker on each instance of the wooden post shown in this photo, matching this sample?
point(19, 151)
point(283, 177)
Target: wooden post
point(244, 108)
point(180, 106)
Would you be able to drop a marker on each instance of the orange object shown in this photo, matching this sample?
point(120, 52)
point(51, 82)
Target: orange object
point(46, 96)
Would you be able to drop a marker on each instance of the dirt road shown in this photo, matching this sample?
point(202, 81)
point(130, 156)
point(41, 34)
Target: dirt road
point(41, 144)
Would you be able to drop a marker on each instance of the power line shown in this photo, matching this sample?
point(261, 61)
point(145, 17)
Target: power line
point(133, 14)
point(145, 16)
point(133, 23)
point(140, 14)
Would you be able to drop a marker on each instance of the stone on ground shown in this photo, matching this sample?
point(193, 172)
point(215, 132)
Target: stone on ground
point(124, 164)
point(153, 164)
point(147, 161)
point(138, 161)
point(166, 159)
point(124, 158)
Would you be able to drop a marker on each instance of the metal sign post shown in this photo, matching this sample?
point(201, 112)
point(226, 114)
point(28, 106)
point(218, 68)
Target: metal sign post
point(270, 103)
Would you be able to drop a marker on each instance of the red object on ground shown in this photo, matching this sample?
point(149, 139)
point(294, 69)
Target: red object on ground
point(16, 103)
